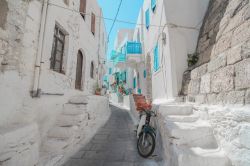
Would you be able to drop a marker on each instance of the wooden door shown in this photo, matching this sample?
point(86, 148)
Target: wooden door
point(78, 83)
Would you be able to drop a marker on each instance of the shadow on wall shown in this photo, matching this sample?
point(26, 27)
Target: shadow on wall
point(4, 13)
point(207, 38)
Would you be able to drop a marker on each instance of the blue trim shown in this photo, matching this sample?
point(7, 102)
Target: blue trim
point(133, 48)
point(156, 58)
point(110, 70)
point(134, 82)
point(153, 5)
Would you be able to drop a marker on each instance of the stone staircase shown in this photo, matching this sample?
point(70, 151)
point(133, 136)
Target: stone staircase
point(67, 129)
point(188, 140)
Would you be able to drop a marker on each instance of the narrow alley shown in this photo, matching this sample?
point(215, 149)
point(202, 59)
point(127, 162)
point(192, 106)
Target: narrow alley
point(114, 145)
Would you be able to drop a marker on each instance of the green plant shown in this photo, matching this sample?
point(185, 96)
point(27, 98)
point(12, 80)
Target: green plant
point(192, 59)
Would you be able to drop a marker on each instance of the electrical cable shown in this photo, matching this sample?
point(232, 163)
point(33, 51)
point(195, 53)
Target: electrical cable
point(125, 21)
point(114, 19)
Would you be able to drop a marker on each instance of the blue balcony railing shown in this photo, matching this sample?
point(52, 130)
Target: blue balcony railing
point(133, 48)
point(113, 55)
point(121, 58)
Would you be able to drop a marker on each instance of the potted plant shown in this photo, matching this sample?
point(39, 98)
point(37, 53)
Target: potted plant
point(192, 59)
point(97, 89)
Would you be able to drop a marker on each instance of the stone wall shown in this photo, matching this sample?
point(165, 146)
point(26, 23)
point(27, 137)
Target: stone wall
point(222, 74)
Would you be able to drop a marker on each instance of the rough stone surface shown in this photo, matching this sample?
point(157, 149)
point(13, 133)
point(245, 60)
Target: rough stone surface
point(185, 81)
point(244, 136)
point(223, 43)
point(198, 72)
point(194, 86)
point(241, 34)
point(217, 62)
point(4, 12)
point(200, 99)
point(234, 55)
point(231, 127)
point(205, 84)
point(247, 97)
point(242, 74)
point(212, 98)
point(246, 50)
point(19, 145)
point(223, 79)
point(79, 100)
point(3, 46)
point(235, 97)
point(224, 46)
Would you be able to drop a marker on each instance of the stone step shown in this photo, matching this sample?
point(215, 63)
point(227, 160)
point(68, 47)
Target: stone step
point(63, 132)
point(79, 99)
point(73, 109)
point(201, 157)
point(174, 109)
point(197, 134)
point(183, 118)
point(70, 120)
point(55, 145)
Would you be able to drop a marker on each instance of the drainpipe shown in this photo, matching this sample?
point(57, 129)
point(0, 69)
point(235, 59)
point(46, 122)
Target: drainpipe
point(98, 52)
point(36, 91)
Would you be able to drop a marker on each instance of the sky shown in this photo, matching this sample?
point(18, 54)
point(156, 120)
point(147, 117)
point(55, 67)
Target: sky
point(129, 12)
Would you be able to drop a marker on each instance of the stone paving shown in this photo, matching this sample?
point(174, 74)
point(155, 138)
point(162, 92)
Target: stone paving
point(114, 144)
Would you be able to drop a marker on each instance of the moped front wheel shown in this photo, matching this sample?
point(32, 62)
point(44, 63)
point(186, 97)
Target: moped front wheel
point(146, 144)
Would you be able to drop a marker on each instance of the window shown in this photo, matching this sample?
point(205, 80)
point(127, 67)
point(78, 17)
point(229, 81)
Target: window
point(110, 71)
point(93, 23)
point(153, 5)
point(92, 68)
point(124, 76)
point(147, 19)
point(56, 60)
point(144, 73)
point(134, 82)
point(156, 58)
point(83, 8)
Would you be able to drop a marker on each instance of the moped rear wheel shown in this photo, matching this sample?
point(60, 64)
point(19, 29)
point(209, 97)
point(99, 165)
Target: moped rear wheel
point(146, 144)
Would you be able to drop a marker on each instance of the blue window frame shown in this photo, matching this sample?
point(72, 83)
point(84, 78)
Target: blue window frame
point(134, 82)
point(153, 5)
point(156, 58)
point(147, 17)
point(145, 73)
point(110, 70)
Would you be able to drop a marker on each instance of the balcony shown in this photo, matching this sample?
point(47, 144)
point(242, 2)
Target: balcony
point(120, 60)
point(113, 55)
point(133, 52)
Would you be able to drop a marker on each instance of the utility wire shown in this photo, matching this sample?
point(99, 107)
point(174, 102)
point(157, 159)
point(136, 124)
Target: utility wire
point(171, 25)
point(114, 20)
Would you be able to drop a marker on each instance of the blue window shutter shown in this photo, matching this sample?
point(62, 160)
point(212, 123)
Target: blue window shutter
point(139, 91)
point(145, 73)
point(125, 76)
point(110, 70)
point(153, 5)
point(134, 83)
point(147, 17)
point(156, 58)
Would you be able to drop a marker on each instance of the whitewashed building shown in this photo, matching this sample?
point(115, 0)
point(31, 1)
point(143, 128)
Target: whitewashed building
point(49, 52)
point(196, 57)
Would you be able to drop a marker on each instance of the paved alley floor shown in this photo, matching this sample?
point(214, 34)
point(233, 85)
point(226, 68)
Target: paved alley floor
point(113, 145)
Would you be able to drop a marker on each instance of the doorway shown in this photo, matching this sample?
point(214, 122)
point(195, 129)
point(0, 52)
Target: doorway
point(79, 71)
